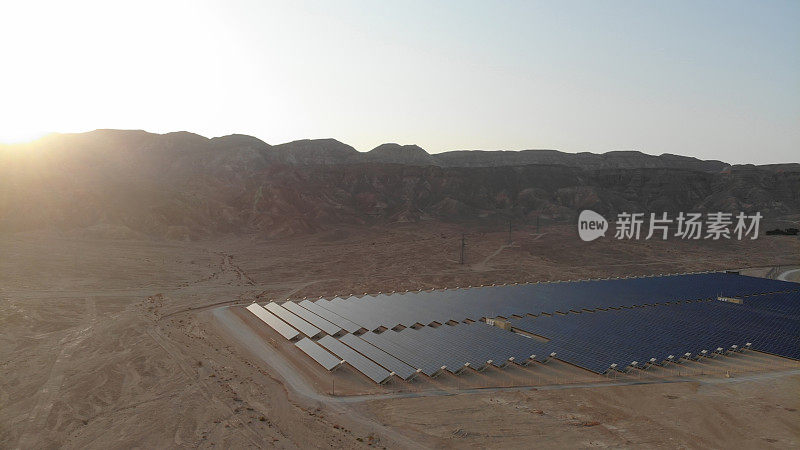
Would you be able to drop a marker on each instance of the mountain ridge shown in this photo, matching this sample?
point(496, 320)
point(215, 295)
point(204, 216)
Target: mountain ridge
point(329, 151)
point(185, 186)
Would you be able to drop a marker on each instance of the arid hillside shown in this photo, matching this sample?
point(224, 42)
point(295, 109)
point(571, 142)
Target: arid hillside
point(184, 186)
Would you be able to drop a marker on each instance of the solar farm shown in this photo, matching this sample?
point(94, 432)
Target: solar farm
point(603, 327)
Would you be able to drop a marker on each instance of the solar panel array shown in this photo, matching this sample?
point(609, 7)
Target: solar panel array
point(786, 305)
point(318, 354)
point(313, 319)
point(330, 316)
point(274, 323)
point(298, 323)
point(455, 348)
point(381, 357)
point(389, 310)
point(592, 324)
point(595, 340)
point(360, 362)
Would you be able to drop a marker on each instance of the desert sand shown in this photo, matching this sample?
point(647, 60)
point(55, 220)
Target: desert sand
point(114, 343)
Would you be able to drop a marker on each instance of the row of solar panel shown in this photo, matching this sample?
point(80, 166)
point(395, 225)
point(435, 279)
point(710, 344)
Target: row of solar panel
point(596, 340)
point(593, 340)
point(455, 348)
point(406, 309)
point(786, 305)
point(405, 353)
point(287, 319)
point(432, 350)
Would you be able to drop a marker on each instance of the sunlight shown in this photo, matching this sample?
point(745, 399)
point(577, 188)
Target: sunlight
point(20, 135)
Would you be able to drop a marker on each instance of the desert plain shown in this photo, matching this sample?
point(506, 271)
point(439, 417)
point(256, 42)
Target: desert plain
point(118, 342)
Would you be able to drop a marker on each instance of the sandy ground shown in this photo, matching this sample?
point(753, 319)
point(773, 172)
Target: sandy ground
point(111, 343)
point(754, 414)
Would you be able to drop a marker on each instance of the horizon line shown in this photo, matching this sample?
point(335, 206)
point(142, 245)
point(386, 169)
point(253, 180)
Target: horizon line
point(50, 134)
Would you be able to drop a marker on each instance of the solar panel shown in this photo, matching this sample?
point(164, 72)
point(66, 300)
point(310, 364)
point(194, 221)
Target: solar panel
point(388, 310)
point(330, 316)
point(304, 327)
point(435, 346)
point(275, 323)
point(312, 318)
point(592, 323)
point(475, 350)
point(359, 362)
point(318, 354)
point(386, 360)
point(595, 340)
point(413, 356)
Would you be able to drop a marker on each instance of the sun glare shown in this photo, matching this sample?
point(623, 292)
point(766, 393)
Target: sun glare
point(18, 136)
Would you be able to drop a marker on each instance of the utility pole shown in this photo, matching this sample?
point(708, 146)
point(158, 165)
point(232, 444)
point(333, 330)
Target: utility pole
point(463, 244)
point(509, 232)
point(537, 224)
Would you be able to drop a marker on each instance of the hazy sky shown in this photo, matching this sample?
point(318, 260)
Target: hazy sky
point(714, 80)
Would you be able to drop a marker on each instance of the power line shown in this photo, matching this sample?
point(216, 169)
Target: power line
point(463, 245)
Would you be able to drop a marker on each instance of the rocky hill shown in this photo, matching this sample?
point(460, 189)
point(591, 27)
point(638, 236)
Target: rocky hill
point(411, 155)
point(185, 186)
point(610, 160)
point(313, 152)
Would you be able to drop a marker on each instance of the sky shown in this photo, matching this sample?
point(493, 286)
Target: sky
point(711, 79)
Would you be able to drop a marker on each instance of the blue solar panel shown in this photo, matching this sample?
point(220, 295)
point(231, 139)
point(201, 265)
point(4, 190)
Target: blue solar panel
point(592, 324)
point(375, 372)
point(312, 318)
point(386, 360)
point(407, 309)
point(318, 354)
point(596, 340)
